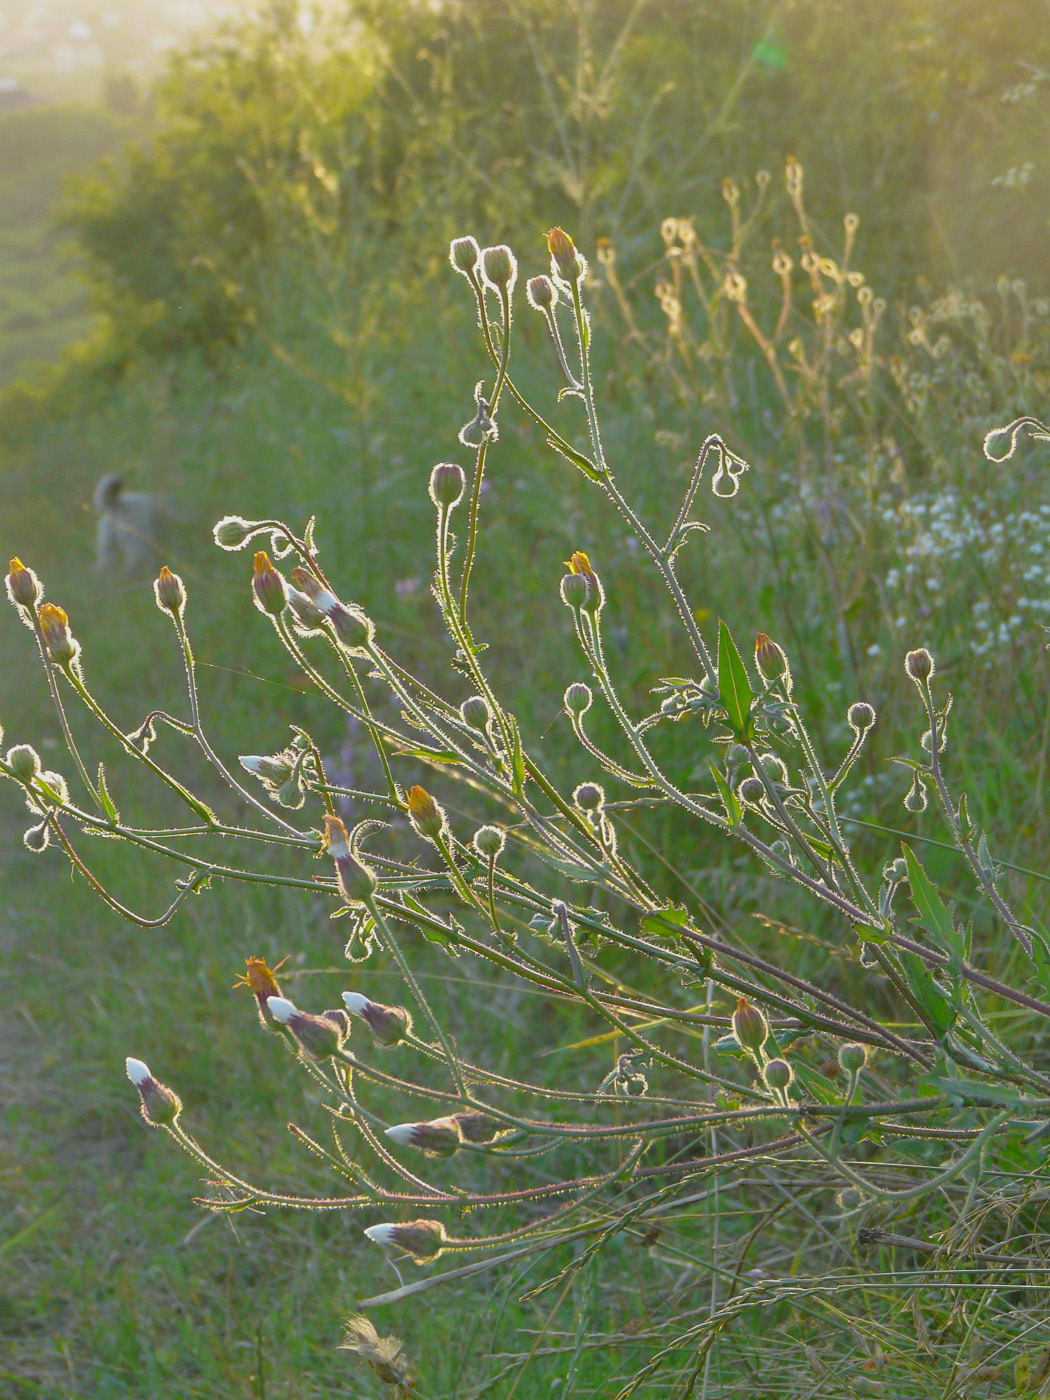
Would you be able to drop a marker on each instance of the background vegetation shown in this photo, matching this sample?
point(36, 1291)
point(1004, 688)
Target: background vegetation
point(277, 330)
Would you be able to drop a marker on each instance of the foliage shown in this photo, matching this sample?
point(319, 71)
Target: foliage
point(900, 1104)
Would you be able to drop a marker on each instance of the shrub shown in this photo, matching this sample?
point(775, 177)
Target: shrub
point(896, 1108)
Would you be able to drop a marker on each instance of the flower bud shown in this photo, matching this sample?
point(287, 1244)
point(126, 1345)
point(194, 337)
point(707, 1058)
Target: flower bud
point(579, 566)
point(749, 1026)
point(261, 982)
point(541, 293)
point(268, 586)
point(778, 1075)
point(589, 797)
point(57, 788)
point(356, 881)
point(915, 801)
point(751, 791)
point(352, 628)
point(319, 1037)
point(464, 254)
point(271, 768)
point(575, 590)
point(499, 266)
point(489, 842)
point(38, 837)
point(919, 664)
point(388, 1024)
point(24, 762)
point(770, 660)
point(853, 1057)
point(426, 816)
point(438, 1138)
point(421, 1240)
point(565, 261)
point(232, 532)
point(447, 483)
point(169, 592)
point(475, 712)
point(161, 1106)
point(861, 717)
point(578, 697)
point(60, 644)
point(23, 586)
point(774, 768)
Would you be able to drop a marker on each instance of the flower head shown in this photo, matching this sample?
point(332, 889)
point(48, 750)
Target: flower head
point(60, 644)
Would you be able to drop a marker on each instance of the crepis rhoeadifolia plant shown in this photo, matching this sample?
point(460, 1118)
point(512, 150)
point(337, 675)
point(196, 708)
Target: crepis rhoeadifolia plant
point(727, 1061)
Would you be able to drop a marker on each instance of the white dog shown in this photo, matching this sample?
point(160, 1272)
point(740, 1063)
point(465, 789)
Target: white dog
point(128, 526)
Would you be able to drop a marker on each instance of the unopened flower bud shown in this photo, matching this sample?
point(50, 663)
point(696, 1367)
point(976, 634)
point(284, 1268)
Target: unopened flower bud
point(169, 592)
point(24, 762)
point(770, 660)
point(60, 644)
point(778, 1075)
point(919, 664)
point(749, 1026)
point(575, 590)
point(421, 1240)
point(489, 842)
point(308, 616)
point(438, 1138)
point(915, 801)
point(356, 881)
point(55, 787)
point(352, 628)
point(464, 254)
point(232, 532)
point(751, 791)
point(23, 586)
point(476, 713)
point(589, 797)
point(426, 816)
point(579, 566)
point(38, 837)
point(447, 483)
point(291, 794)
point(499, 266)
point(388, 1024)
point(268, 586)
point(541, 293)
point(578, 697)
point(319, 1037)
point(774, 768)
point(853, 1057)
point(161, 1106)
point(861, 717)
point(565, 261)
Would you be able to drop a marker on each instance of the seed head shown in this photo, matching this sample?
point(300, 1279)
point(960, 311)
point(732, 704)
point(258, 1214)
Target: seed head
point(388, 1024)
point(161, 1106)
point(319, 1037)
point(23, 586)
point(476, 1127)
point(268, 586)
point(447, 484)
point(438, 1138)
point(420, 1239)
point(169, 592)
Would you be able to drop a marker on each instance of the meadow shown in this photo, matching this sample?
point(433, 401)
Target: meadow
point(292, 341)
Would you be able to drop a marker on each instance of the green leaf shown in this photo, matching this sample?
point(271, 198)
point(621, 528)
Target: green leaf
point(932, 1001)
point(431, 928)
point(576, 458)
point(730, 801)
point(517, 756)
point(734, 688)
point(104, 798)
point(666, 922)
point(978, 1093)
point(934, 917)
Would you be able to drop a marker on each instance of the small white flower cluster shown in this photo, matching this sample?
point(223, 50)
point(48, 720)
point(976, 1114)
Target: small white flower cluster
point(948, 551)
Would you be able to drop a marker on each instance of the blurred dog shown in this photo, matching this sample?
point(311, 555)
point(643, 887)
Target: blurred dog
point(128, 527)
